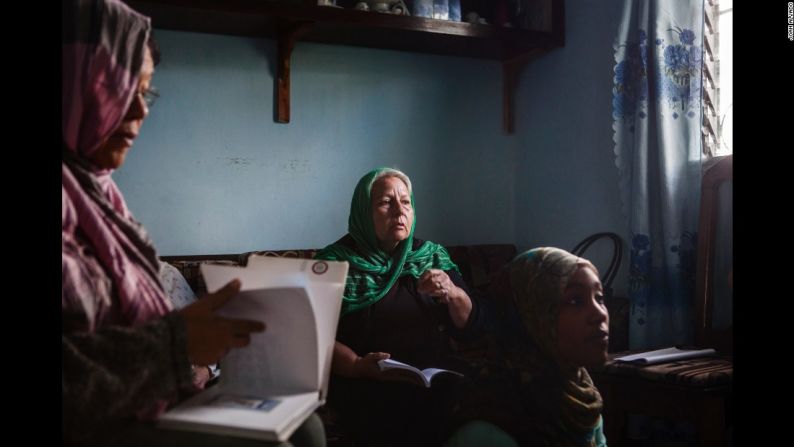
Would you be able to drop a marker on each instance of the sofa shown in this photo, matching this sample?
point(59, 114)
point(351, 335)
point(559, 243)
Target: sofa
point(478, 265)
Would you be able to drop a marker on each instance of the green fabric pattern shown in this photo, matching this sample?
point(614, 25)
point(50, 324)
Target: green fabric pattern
point(372, 271)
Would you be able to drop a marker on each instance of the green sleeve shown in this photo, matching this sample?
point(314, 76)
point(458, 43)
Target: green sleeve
point(600, 439)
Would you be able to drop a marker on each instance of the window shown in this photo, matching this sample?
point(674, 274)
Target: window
point(725, 75)
point(718, 78)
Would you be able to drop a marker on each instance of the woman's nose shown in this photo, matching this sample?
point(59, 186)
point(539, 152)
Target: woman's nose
point(598, 310)
point(138, 108)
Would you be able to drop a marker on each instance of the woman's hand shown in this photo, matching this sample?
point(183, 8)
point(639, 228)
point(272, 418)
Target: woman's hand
point(436, 283)
point(209, 336)
point(367, 367)
point(347, 363)
point(201, 375)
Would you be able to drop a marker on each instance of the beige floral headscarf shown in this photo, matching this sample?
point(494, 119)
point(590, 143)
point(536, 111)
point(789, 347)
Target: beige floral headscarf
point(538, 279)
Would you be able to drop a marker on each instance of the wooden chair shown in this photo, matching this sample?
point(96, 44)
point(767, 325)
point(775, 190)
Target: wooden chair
point(618, 306)
point(698, 389)
point(706, 333)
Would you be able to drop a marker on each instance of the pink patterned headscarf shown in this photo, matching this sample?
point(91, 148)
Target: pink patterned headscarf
point(103, 48)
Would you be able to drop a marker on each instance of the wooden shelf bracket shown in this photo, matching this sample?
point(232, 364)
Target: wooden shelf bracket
point(288, 35)
point(511, 71)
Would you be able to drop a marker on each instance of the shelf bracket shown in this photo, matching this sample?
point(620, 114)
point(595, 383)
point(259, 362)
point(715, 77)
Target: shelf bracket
point(511, 71)
point(288, 34)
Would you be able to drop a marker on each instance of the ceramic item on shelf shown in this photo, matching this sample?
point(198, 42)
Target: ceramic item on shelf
point(331, 3)
point(396, 7)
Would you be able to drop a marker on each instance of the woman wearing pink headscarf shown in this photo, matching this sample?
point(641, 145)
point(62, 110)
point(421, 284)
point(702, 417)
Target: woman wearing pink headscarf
point(126, 354)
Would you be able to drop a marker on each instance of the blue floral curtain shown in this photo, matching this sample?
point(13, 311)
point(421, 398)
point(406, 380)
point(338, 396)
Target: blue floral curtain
point(657, 121)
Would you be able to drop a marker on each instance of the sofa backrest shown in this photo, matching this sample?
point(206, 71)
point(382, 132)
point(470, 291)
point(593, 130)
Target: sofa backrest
point(477, 263)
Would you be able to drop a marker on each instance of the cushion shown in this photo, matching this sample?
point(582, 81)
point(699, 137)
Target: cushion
point(302, 254)
point(175, 285)
point(704, 372)
point(189, 269)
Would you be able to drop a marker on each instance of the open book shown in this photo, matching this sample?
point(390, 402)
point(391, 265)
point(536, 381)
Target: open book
point(422, 377)
point(271, 386)
point(664, 355)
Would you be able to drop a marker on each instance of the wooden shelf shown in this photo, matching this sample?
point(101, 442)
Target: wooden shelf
point(290, 22)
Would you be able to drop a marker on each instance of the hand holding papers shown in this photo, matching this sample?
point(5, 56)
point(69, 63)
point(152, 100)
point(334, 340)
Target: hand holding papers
point(270, 387)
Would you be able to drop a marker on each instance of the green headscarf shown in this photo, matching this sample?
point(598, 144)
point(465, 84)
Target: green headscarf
point(538, 278)
point(373, 271)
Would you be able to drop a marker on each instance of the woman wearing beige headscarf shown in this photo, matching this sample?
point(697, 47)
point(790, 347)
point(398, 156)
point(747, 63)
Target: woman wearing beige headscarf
point(538, 389)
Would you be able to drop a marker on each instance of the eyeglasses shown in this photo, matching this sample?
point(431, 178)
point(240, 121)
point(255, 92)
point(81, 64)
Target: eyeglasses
point(149, 96)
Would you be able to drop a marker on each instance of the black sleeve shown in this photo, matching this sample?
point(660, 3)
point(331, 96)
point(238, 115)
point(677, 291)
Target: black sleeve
point(118, 372)
point(478, 318)
point(351, 330)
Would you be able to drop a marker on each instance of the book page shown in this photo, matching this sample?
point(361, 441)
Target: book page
point(426, 375)
point(430, 372)
point(214, 411)
point(324, 280)
point(326, 284)
point(283, 358)
point(387, 364)
point(270, 387)
point(395, 368)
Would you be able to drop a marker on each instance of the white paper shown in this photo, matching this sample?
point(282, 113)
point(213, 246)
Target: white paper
point(326, 284)
point(206, 413)
point(426, 375)
point(270, 387)
point(664, 355)
point(284, 358)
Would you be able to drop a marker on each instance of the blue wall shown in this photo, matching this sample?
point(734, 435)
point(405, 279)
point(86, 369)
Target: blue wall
point(566, 180)
point(213, 173)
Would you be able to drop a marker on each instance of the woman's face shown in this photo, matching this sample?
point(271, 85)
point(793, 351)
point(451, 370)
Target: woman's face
point(112, 152)
point(392, 212)
point(583, 322)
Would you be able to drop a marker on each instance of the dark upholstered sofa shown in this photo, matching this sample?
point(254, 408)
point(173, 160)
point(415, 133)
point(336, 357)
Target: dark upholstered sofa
point(478, 265)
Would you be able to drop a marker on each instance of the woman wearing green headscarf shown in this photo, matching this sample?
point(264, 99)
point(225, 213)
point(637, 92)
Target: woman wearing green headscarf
point(554, 325)
point(404, 299)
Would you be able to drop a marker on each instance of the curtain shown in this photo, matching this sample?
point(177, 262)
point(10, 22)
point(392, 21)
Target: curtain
point(657, 120)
